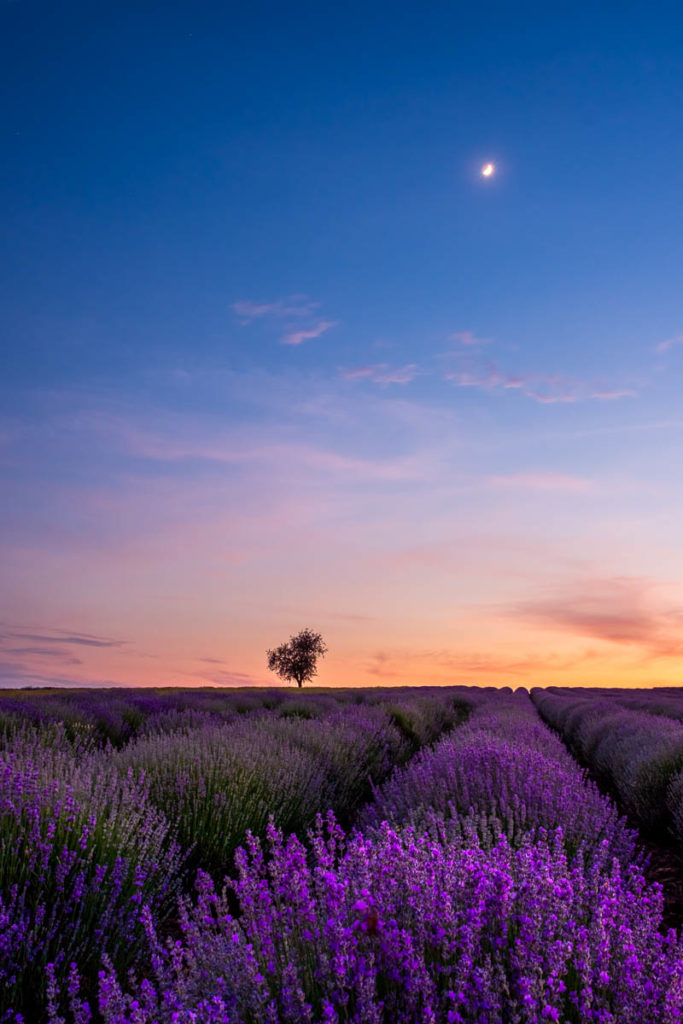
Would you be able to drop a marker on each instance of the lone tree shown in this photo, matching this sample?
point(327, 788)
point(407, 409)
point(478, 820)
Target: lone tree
point(296, 660)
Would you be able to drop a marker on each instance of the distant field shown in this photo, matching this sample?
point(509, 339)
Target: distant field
point(413, 855)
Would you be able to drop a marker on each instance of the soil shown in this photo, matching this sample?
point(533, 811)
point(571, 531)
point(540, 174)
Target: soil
point(666, 867)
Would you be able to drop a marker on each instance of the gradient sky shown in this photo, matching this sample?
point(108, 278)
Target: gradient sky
point(275, 355)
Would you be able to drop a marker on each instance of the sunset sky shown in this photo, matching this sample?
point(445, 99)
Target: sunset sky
point(276, 355)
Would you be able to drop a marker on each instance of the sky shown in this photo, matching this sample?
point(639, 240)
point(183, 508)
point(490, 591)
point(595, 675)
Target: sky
point(276, 355)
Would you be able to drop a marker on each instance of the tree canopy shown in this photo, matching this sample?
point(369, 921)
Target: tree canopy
point(297, 659)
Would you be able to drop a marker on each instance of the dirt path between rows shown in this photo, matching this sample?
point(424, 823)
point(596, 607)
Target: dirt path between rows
point(666, 867)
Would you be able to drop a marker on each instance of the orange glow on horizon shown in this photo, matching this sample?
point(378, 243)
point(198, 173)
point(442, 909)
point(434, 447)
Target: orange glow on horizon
point(569, 664)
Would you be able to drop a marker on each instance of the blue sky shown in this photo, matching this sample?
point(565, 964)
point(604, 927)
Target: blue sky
point(263, 321)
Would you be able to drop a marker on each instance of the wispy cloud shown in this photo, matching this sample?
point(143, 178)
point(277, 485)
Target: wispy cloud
point(547, 389)
point(60, 636)
point(299, 457)
point(294, 306)
point(46, 652)
point(381, 373)
point(466, 368)
point(541, 481)
point(618, 610)
point(485, 378)
point(297, 309)
point(306, 333)
point(14, 674)
point(611, 394)
point(468, 339)
point(467, 665)
point(228, 678)
point(669, 343)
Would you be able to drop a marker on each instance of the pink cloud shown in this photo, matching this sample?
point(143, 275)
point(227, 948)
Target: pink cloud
point(295, 305)
point(171, 440)
point(547, 389)
point(360, 372)
point(541, 482)
point(468, 339)
point(296, 337)
point(401, 375)
point(455, 666)
point(670, 343)
point(380, 373)
point(487, 378)
point(226, 677)
point(616, 609)
point(251, 310)
point(611, 394)
point(544, 398)
point(298, 457)
point(491, 378)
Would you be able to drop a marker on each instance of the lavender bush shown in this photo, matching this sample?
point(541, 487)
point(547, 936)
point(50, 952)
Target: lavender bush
point(118, 716)
point(655, 704)
point(487, 881)
point(399, 928)
point(674, 803)
point(81, 851)
point(423, 718)
point(637, 754)
point(503, 772)
point(351, 747)
point(183, 720)
point(217, 782)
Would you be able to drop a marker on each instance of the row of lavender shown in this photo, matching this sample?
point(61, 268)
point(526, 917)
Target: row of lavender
point(488, 882)
point(90, 835)
point(638, 753)
point(218, 781)
point(664, 700)
point(117, 716)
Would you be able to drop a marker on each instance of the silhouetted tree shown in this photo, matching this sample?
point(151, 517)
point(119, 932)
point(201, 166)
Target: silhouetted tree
point(296, 660)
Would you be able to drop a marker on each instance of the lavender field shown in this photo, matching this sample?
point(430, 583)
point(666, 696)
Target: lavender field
point(445, 854)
